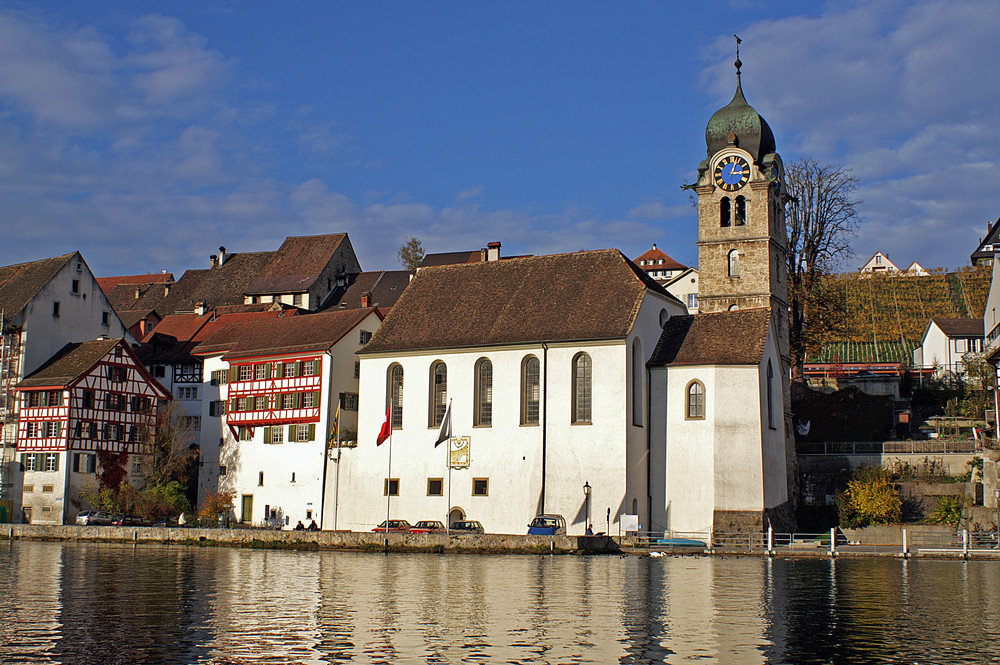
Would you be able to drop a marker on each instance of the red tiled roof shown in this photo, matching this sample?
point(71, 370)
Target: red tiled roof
point(581, 296)
point(385, 287)
point(720, 338)
point(655, 255)
point(307, 332)
point(152, 278)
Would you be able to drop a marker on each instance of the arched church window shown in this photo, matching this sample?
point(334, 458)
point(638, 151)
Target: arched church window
point(725, 211)
point(695, 401)
point(734, 263)
point(483, 415)
point(395, 395)
point(582, 369)
point(741, 211)
point(439, 393)
point(530, 393)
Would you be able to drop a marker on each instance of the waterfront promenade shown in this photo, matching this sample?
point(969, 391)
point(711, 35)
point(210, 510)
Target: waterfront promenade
point(936, 543)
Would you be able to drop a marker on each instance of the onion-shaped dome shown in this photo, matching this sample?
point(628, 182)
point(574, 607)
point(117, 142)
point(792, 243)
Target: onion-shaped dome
point(739, 118)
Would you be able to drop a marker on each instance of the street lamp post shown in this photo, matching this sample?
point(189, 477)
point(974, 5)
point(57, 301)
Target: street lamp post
point(586, 496)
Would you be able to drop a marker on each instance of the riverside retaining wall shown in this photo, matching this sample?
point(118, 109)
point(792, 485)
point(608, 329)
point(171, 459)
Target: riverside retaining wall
point(317, 540)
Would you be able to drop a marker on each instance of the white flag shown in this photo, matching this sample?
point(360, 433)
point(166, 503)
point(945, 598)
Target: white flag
point(445, 432)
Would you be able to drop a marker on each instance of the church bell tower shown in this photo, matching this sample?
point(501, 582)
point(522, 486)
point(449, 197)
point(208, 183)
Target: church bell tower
point(742, 240)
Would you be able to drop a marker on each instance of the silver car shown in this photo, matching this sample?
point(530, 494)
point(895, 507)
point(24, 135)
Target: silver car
point(94, 518)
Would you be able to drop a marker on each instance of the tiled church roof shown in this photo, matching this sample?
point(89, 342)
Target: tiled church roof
point(721, 338)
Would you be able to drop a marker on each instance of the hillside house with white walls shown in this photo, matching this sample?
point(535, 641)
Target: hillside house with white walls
point(946, 343)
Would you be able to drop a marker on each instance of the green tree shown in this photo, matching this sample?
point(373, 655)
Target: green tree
point(411, 253)
point(821, 217)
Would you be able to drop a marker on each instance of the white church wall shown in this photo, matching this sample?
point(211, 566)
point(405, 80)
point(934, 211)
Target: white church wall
point(507, 453)
point(774, 463)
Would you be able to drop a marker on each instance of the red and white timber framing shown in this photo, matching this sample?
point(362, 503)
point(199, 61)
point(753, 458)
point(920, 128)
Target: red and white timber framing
point(109, 407)
point(268, 391)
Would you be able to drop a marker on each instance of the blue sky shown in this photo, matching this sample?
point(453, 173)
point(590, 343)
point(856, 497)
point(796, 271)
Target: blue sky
point(148, 134)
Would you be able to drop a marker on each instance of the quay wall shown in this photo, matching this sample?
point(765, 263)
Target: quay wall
point(316, 540)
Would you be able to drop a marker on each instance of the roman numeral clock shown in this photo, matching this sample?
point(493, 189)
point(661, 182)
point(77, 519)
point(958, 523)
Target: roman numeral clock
point(731, 173)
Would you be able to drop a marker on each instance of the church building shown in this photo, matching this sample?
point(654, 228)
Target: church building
point(576, 384)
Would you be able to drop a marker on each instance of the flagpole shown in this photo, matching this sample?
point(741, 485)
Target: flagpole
point(388, 485)
point(336, 491)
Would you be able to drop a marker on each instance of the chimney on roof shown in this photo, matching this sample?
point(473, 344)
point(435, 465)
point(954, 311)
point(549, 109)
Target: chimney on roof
point(166, 290)
point(212, 260)
point(199, 308)
point(138, 292)
point(654, 245)
point(493, 251)
point(366, 299)
point(222, 255)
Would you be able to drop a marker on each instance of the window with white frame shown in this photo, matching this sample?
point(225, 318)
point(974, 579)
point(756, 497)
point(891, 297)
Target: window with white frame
point(51, 461)
point(185, 392)
point(349, 401)
point(365, 337)
point(246, 372)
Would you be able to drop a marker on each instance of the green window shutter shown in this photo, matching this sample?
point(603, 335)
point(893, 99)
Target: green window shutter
point(316, 398)
point(267, 371)
point(298, 368)
point(232, 405)
point(267, 435)
point(317, 364)
point(291, 433)
point(234, 373)
point(312, 432)
point(40, 461)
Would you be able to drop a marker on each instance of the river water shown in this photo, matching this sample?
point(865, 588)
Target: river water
point(116, 603)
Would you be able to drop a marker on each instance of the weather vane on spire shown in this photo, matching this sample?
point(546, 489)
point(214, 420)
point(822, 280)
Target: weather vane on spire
point(738, 64)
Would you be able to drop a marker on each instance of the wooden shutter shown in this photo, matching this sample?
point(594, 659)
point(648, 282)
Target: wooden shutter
point(267, 371)
point(298, 368)
point(234, 373)
point(312, 433)
point(267, 435)
point(317, 364)
point(232, 405)
point(291, 433)
point(297, 401)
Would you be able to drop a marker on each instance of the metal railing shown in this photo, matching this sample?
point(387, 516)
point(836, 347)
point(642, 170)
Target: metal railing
point(930, 446)
point(833, 542)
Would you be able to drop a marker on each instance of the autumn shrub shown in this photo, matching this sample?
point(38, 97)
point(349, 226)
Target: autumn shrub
point(871, 498)
point(947, 511)
point(216, 504)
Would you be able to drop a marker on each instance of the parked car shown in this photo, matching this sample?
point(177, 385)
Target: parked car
point(428, 526)
point(94, 518)
point(467, 526)
point(166, 520)
point(130, 520)
point(393, 525)
point(547, 525)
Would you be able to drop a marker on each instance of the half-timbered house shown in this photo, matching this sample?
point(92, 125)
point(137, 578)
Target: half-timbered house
point(88, 398)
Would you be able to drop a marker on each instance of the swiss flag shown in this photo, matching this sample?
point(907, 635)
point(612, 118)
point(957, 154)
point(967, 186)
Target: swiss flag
point(386, 430)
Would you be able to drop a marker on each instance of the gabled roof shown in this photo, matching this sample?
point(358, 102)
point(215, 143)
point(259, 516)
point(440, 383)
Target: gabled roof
point(450, 258)
point(563, 297)
point(721, 338)
point(992, 241)
point(308, 332)
point(69, 363)
point(177, 336)
point(135, 292)
point(297, 264)
point(676, 278)
point(20, 282)
point(385, 287)
point(218, 285)
point(959, 327)
point(655, 255)
point(152, 278)
point(884, 256)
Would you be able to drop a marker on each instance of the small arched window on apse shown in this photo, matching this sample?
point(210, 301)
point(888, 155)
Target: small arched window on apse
point(725, 211)
point(734, 263)
point(439, 393)
point(394, 395)
point(741, 211)
point(695, 401)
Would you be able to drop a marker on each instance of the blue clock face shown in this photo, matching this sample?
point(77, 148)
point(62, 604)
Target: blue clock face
point(731, 173)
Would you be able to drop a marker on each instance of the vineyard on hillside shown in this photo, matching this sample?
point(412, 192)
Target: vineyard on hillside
point(883, 317)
